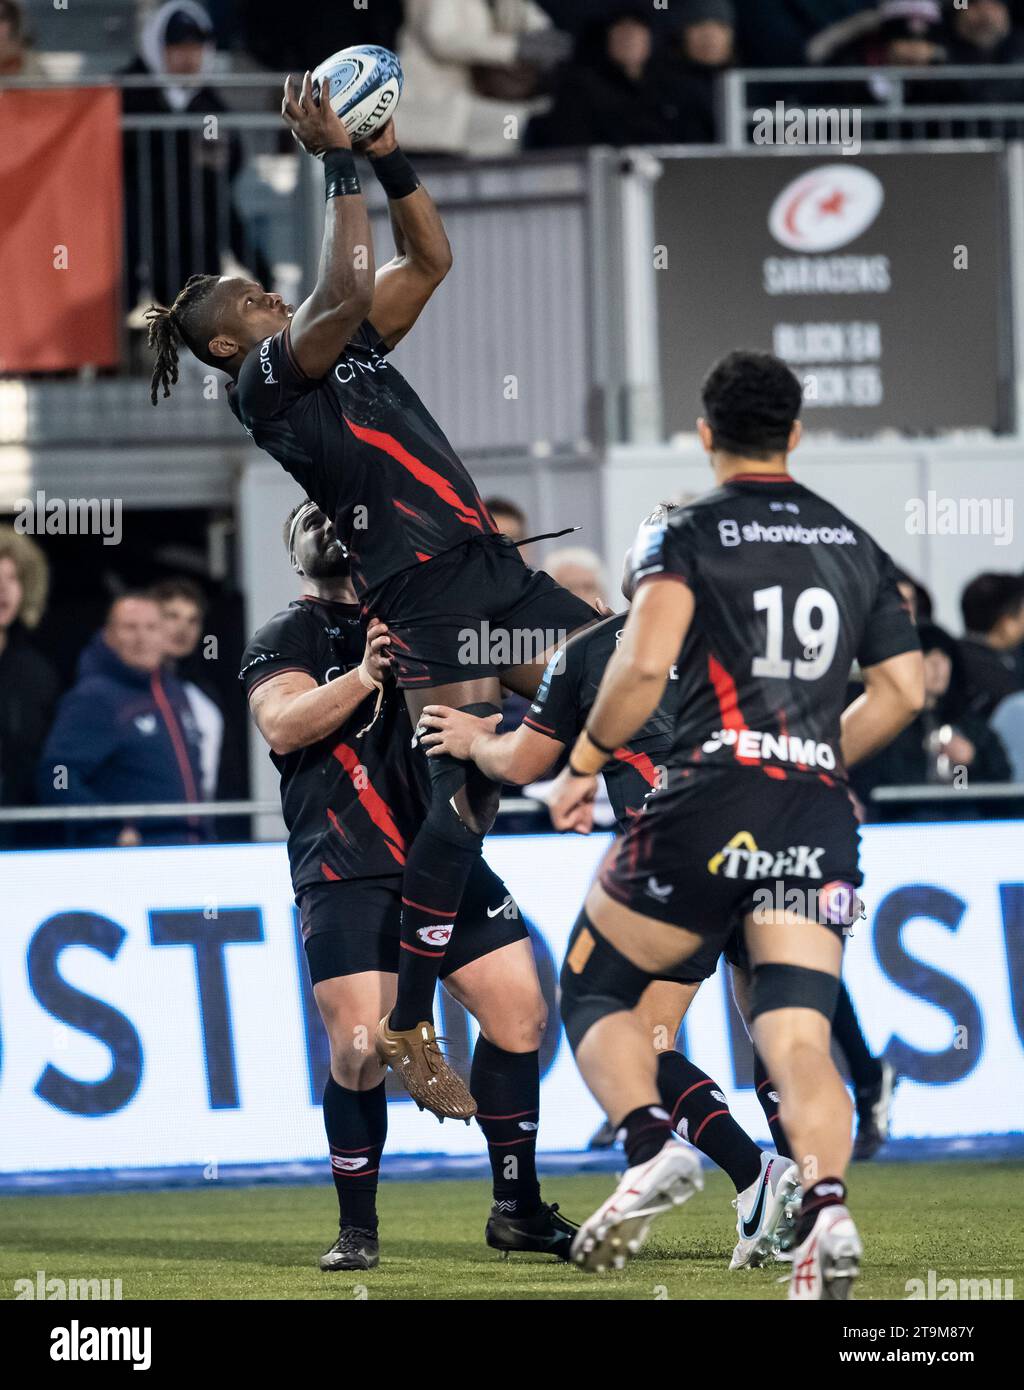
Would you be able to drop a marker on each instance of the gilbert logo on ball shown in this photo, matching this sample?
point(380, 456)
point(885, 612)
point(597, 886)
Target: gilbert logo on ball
point(827, 208)
point(364, 84)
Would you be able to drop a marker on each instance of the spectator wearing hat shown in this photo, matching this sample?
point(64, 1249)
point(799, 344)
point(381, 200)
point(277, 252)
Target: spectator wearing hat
point(897, 33)
point(28, 683)
point(612, 93)
point(180, 214)
point(983, 32)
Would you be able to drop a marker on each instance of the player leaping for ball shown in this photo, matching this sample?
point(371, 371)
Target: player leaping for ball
point(316, 390)
point(764, 594)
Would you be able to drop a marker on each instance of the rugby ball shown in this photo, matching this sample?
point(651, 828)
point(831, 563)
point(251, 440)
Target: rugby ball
point(363, 84)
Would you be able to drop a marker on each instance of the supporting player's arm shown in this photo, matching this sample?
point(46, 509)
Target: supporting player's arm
point(522, 756)
point(292, 711)
point(633, 685)
point(424, 257)
point(893, 695)
point(635, 677)
point(343, 293)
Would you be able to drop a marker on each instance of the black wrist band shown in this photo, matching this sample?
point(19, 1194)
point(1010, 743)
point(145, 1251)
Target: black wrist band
point(395, 174)
point(340, 177)
point(608, 752)
point(575, 772)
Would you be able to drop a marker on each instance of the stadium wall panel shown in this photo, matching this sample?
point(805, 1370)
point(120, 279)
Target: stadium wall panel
point(155, 1013)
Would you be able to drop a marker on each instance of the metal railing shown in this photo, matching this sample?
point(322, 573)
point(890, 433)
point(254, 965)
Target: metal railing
point(886, 100)
point(525, 805)
point(221, 190)
point(172, 810)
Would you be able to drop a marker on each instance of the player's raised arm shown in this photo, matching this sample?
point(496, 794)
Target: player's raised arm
point(424, 257)
point(343, 294)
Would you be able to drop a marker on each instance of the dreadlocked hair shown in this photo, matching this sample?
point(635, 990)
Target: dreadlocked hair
point(181, 323)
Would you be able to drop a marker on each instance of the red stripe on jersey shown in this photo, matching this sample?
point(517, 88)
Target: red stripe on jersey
point(337, 824)
point(760, 478)
point(419, 470)
point(372, 802)
point(541, 728)
point(784, 731)
point(329, 873)
point(641, 762)
point(728, 703)
point(423, 558)
point(778, 773)
point(422, 907)
point(415, 950)
point(403, 508)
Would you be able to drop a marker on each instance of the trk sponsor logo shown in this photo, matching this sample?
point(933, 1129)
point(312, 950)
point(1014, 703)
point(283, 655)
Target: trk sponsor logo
point(741, 858)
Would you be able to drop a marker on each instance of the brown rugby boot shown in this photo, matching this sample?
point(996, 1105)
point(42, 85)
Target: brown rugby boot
point(414, 1053)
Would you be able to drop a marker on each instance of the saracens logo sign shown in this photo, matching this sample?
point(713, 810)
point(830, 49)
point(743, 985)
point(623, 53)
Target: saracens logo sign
point(826, 208)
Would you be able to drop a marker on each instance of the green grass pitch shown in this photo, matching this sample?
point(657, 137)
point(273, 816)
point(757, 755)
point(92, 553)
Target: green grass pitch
point(959, 1219)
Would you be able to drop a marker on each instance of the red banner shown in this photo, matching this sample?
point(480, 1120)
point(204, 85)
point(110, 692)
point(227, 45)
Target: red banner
point(60, 228)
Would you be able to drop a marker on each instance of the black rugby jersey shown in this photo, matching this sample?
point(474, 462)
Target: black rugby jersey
point(352, 804)
point(789, 593)
point(366, 450)
point(563, 702)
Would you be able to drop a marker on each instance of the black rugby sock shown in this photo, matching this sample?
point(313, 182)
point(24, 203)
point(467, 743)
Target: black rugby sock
point(435, 878)
point(357, 1126)
point(506, 1088)
point(768, 1099)
point(865, 1070)
point(643, 1132)
point(700, 1113)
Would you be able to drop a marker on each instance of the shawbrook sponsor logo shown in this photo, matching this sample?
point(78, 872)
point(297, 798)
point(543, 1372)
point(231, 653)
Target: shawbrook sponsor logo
point(732, 533)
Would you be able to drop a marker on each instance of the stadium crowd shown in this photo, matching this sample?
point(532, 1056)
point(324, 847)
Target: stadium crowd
point(571, 72)
point(143, 717)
